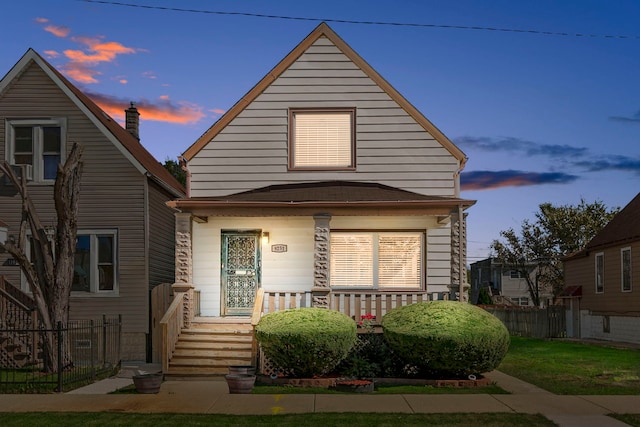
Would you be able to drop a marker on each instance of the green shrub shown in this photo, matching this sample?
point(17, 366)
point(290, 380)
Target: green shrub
point(306, 341)
point(446, 338)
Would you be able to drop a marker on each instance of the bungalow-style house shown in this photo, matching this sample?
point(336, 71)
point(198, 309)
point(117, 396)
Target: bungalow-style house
point(322, 186)
point(602, 293)
point(125, 242)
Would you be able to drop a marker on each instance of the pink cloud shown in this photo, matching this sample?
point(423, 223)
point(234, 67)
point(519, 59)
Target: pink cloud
point(41, 20)
point(51, 53)
point(162, 110)
point(218, 111)
point(58, 31)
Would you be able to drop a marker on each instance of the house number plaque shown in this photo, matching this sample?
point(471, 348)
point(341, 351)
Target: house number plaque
point(279, 248)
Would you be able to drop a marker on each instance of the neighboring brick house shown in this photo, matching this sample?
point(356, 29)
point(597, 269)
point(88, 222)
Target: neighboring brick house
point(125, 230)
point(602, 289)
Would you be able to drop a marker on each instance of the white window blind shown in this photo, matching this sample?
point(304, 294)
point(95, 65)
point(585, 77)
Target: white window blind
point(322, 139)
point(400, 260)
point(377, 259)
point(351, 260)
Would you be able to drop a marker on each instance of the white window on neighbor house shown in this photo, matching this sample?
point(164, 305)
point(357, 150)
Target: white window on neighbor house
point(322, 139)
point(95, 262)
point(377, 260)
point(600, 273)
point(516, 274)
point(625, 256)
point(37, 146)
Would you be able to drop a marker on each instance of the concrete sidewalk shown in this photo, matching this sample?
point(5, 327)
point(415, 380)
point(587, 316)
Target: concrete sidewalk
point(212, 397)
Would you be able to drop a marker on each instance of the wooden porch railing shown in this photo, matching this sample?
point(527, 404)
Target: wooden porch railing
point(172, 323)
point(352, 303)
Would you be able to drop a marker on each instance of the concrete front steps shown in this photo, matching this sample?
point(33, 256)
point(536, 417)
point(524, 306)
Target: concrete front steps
point(210, 346)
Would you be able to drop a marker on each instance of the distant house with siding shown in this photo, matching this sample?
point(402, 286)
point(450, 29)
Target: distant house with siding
point(125, 230)
point(602, 290)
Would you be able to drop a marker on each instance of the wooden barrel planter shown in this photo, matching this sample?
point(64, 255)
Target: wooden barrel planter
point(246, 370)
point(148, 383)
point(240, 383)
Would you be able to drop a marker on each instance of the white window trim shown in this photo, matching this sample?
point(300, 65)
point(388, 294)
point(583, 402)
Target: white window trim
point(93, 285)
point(599, 255)
point(38, 166)
point(376, 262)
point(622, 251)
point(292, 142)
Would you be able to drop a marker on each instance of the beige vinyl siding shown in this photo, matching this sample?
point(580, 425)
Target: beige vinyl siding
point(161, 237)
point(111, 197)
point(392, 148)
point(581, 271)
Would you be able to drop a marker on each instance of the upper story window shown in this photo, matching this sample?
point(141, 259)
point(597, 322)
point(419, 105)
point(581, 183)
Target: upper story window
point(322, 139)
point(37, 145)
point(625, 254)
point(600, 273)
point(378, 260)
point(516, 274)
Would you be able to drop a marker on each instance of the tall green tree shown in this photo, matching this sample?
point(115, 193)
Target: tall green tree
point(536, 252)
point(174, 169)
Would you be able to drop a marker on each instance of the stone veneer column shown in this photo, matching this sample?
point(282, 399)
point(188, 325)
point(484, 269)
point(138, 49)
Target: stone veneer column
point(184, 265)
point(321, 286)
point(458, 257)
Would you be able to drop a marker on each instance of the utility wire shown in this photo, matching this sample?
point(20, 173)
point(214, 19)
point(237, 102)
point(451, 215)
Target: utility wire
point(347, 21)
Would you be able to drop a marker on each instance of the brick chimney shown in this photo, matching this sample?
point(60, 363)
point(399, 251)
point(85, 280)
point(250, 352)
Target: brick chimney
point(132, 120)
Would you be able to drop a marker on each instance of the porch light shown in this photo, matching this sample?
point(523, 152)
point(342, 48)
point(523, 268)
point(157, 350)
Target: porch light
point(265, 237)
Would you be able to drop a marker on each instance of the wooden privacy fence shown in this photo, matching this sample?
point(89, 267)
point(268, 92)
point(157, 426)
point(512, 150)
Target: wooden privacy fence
point(531, 322)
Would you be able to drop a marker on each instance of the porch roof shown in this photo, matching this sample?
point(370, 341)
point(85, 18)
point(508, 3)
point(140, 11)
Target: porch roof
point(327, 195)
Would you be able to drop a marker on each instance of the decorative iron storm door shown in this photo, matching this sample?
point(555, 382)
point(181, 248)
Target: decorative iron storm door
point(240, 272)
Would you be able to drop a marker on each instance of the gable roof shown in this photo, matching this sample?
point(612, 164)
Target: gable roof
point(623, 228)
point(323, 30)
point(130, 146)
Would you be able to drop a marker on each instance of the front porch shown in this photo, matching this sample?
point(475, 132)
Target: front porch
point(193, 345)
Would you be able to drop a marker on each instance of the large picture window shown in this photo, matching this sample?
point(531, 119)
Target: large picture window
point(600, 273)
point(321, 139)
point(377, 260)
point(37, 146)
point(625, 255)
point(95, 262)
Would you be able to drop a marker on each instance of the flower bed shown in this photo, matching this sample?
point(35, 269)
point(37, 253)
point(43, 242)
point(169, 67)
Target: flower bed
point(355, 386)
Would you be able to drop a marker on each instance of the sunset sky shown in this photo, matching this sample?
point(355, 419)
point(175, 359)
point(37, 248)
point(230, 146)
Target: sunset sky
point(541, 95)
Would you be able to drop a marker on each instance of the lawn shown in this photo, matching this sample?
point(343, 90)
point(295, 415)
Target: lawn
point(71, 419)
point(564, 367)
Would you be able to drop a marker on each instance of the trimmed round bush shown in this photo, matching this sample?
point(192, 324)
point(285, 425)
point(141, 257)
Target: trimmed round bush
point(306, 341)
point(446, 338)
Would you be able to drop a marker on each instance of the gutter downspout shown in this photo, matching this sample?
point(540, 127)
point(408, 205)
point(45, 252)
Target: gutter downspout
point(456, 177)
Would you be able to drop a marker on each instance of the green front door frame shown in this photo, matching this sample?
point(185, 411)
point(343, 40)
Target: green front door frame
point(240, 271)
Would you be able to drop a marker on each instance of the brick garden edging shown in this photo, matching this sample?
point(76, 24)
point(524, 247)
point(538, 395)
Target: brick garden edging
point(331, 382)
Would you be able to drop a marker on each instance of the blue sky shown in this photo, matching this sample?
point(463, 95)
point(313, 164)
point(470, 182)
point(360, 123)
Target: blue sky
point(542, 117)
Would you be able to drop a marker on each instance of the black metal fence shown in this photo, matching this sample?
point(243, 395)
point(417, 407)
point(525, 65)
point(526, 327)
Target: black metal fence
point(85, 350)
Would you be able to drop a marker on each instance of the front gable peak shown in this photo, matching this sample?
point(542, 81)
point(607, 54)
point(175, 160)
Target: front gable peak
point(323, 31)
